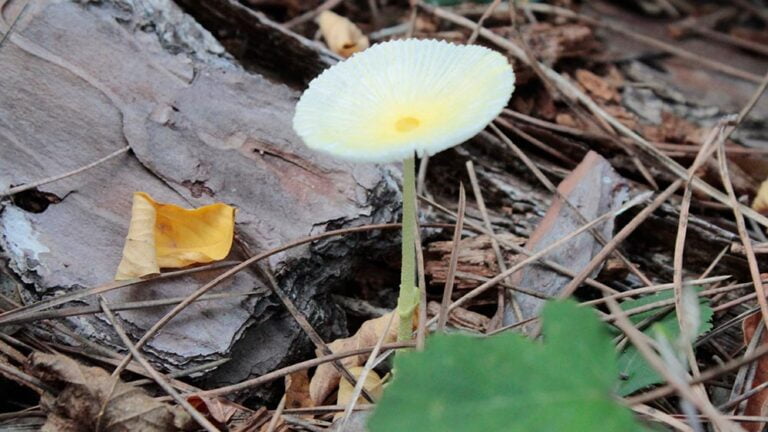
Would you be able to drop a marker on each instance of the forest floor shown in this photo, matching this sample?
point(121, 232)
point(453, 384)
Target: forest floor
point(643, 124)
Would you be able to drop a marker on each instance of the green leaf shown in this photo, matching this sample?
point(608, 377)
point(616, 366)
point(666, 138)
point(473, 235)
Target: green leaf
point(635, 372)
point(510, 383)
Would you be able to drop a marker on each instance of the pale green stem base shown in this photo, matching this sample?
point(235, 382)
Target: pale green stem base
point(409, 293)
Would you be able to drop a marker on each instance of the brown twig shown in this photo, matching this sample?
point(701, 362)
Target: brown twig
point(21, 312)
point(369, 365)
point(647, 40)
point(569, 88)
point(35, 384)
point(310, 15)
point(454, 259)
point(234, 270)
point(521, 250)
point(88, 310)
point(579, 215)
point(276, 415)
point(486, 13)
point(279, 373)
point(310, 331)
point(498, 317)
point(535, 256)
point(34, 184)
point(159, 379)
point(681, 387)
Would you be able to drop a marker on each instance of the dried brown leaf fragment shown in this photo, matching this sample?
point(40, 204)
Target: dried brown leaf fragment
point(326, 378)
point(757, 405)
point(91, 399)
point(340, 34)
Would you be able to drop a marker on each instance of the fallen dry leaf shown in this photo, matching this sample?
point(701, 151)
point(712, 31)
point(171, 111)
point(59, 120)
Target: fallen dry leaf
point(341, 35)
point(168, 236)
point(674, 129)
point(326, 378)
point(760, 204)
point(597, 86)
point(757, 405)
point(373, 385)
point(594, 187)
point(91, 399)
point(217, 410)
point(297, 390)
point(566, 119)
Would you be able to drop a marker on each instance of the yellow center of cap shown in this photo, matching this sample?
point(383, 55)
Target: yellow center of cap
point(407, 124)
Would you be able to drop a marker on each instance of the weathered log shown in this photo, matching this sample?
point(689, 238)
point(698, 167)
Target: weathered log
point(83, 80)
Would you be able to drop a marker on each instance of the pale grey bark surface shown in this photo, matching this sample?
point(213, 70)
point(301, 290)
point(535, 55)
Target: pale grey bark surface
point(81, 80)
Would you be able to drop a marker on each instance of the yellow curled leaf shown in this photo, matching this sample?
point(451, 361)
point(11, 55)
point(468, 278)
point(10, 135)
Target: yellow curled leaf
point(168, 236)
point(341, 35)
point(760, 204)
point(372, 385)
point(139, 256)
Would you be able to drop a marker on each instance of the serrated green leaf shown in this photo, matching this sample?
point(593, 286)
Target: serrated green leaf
point(510, 383)
point(634, 370)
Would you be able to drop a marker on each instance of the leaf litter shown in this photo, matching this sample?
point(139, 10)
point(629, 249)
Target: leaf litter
point(463, 382)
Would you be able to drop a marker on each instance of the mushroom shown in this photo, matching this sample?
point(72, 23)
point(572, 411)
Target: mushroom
point(398, 100)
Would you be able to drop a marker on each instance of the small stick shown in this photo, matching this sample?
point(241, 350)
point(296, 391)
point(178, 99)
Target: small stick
point(488, 11)
point(28, 186)
point(89, 310)
point(744, 396)
point(570, 89)
point(315, 337)
point(499, 316)
point(662, 417)
point(24, 311)
point(534, 257)
point(279, 373)
point(159, 379)
point(276, 415)
point(656, 288)
point(598, 236)
point(455, 245)
point(16, 375)
point(681, 387)
point(521, 250)
point(374, 12)
point(757, 11)
point(536, 142)
point(325, 409)
point(677, 276)
point(648, 40)
point(709, 374)
point(310, 15)
point(369, 365)
point(412, 18)
point(733, 40)
point(304, 424)
point(754, 270)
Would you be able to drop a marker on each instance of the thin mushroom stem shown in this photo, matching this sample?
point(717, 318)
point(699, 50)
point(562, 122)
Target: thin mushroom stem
point(409, 293)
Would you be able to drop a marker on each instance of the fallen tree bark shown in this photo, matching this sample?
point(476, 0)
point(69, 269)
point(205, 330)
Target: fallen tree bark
point(83, 80)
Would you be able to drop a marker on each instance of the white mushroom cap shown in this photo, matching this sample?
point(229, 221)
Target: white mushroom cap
point(403, 97)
